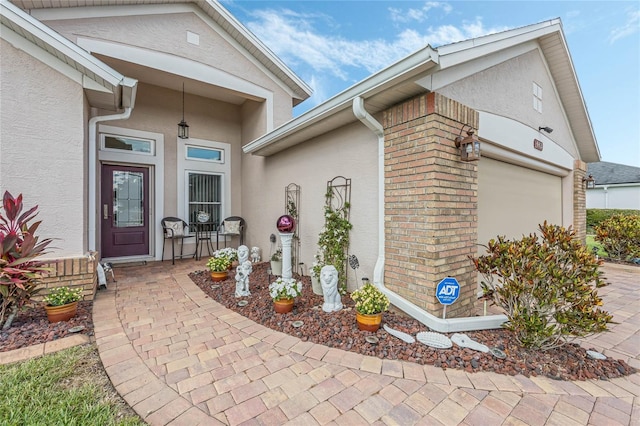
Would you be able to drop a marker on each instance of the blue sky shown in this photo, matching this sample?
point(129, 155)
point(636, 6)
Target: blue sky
point(332, 45)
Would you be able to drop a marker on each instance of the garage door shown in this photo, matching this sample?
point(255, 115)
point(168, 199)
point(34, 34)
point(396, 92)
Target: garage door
point(513, 200)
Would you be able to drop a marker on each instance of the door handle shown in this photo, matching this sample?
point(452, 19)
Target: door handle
point(105, 211)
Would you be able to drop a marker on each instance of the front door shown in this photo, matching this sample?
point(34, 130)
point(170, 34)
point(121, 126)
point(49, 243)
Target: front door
point(124, 211)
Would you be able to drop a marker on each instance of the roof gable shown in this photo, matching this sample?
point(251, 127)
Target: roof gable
point(54, 9)
point(547, 36)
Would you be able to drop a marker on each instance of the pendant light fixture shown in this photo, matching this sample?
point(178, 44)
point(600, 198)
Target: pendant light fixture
point(183, 127)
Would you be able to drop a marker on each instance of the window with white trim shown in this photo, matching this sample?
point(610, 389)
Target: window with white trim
point(203, 183)
point(537, 98)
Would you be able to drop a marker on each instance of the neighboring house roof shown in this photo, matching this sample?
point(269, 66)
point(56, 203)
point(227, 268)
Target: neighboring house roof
point(606, 173)
point(105, 87)
point(413, 75)
point(218, 14)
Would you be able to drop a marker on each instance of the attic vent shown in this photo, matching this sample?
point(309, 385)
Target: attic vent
point(193, 38)
point(537, 98)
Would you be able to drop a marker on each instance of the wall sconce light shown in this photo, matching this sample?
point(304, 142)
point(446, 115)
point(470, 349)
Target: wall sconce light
point(469, 146)
point(546, 129)
point(589, 182)
point(183, 127)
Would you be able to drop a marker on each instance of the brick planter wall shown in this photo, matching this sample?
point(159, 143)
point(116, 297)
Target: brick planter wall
point(73, 273)
point(431, 202)
point(579, 200)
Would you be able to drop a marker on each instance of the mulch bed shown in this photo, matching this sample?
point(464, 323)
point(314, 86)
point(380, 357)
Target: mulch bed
point(31, 327)
point(339, 330)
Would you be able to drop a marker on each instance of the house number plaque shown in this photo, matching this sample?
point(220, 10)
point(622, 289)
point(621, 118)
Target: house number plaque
point(537, 144)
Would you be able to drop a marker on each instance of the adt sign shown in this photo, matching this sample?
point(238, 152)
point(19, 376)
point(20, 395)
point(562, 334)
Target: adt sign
point(448, 291)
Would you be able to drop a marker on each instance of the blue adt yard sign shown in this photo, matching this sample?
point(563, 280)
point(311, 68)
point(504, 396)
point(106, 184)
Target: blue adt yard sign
point(448, 291)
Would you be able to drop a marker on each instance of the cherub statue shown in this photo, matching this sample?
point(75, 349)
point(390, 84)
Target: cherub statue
point(242, 279)
point(329, 281)
point(255, 254)
point(243, 254)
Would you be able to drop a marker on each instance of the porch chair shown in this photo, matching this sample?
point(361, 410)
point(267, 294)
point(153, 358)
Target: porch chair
point(174, 229)
point(233, 226)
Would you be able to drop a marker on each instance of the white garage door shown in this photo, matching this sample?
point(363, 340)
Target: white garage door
point(513, 200)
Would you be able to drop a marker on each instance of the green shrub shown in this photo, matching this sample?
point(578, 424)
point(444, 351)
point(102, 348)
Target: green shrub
point(546, 286)
point(620, 236)
point(597, 216)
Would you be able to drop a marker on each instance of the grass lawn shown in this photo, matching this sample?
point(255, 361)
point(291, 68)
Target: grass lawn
point(68, 387)
point(591, 243)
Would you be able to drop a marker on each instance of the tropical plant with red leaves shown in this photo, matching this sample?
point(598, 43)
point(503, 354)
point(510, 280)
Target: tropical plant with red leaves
point(20, 272)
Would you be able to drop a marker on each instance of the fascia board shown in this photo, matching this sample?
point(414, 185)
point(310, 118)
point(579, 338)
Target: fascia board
point(59, 44)
point(450, 57)
point(528, 32)
point(419, 61)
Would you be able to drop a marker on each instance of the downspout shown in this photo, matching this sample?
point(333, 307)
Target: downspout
point(431, 321)
point(129, 96)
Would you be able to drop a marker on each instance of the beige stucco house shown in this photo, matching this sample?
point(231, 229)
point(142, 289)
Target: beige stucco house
point(93, 92)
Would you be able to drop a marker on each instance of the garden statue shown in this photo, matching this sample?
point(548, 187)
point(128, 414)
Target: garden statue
point(255, 254)
point(242, 278)
point(329, 281)
point(243, 254)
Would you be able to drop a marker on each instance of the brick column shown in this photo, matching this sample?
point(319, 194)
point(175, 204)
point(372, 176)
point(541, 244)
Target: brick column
point(431, 202)
point(579, 200)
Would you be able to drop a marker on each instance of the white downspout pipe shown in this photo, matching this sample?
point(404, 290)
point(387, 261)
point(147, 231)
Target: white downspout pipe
point(431, 321)
point(129, 91)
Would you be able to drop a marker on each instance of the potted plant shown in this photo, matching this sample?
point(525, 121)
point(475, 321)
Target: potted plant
point(228, 252)
point(219, 267)
point(276, 262)
point(61, 303)
point(370, 304)
point(283, 291)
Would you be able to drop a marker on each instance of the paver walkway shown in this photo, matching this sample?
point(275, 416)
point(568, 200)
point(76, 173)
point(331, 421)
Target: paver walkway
point(179, 358)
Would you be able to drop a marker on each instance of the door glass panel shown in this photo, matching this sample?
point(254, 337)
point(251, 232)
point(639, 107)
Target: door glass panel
point(128, 199)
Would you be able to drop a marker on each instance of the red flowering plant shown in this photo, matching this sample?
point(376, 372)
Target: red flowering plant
point(20, 272)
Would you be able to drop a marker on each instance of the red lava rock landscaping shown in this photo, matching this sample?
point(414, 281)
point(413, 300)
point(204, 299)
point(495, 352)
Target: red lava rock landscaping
point(31, 327)
point(339, 330)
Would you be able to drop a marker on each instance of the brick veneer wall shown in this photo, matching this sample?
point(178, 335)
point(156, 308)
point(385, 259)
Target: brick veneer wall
point(579, 200)
point(431, 202)
point(73, 273)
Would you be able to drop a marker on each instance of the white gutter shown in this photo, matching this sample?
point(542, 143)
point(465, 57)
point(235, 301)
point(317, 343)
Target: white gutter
point(431, 321)
point(129, 90)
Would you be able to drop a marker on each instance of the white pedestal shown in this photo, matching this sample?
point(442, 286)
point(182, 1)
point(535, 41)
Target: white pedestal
point(285, 239)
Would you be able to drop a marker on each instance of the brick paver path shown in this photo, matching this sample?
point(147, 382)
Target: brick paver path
point(179, 358)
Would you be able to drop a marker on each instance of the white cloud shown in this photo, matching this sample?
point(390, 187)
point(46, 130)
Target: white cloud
point(417, 15)
point(294, 37)
point(629, 28)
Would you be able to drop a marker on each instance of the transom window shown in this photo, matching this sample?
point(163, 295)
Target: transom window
point(121, 143)
point(205, 154)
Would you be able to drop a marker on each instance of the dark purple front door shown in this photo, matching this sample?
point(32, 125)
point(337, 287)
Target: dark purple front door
point(124, 211)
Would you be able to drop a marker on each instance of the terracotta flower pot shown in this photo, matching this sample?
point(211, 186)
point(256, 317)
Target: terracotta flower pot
point(368, 322)
point(62, 312)
point(282, 306)
point(219, 276)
